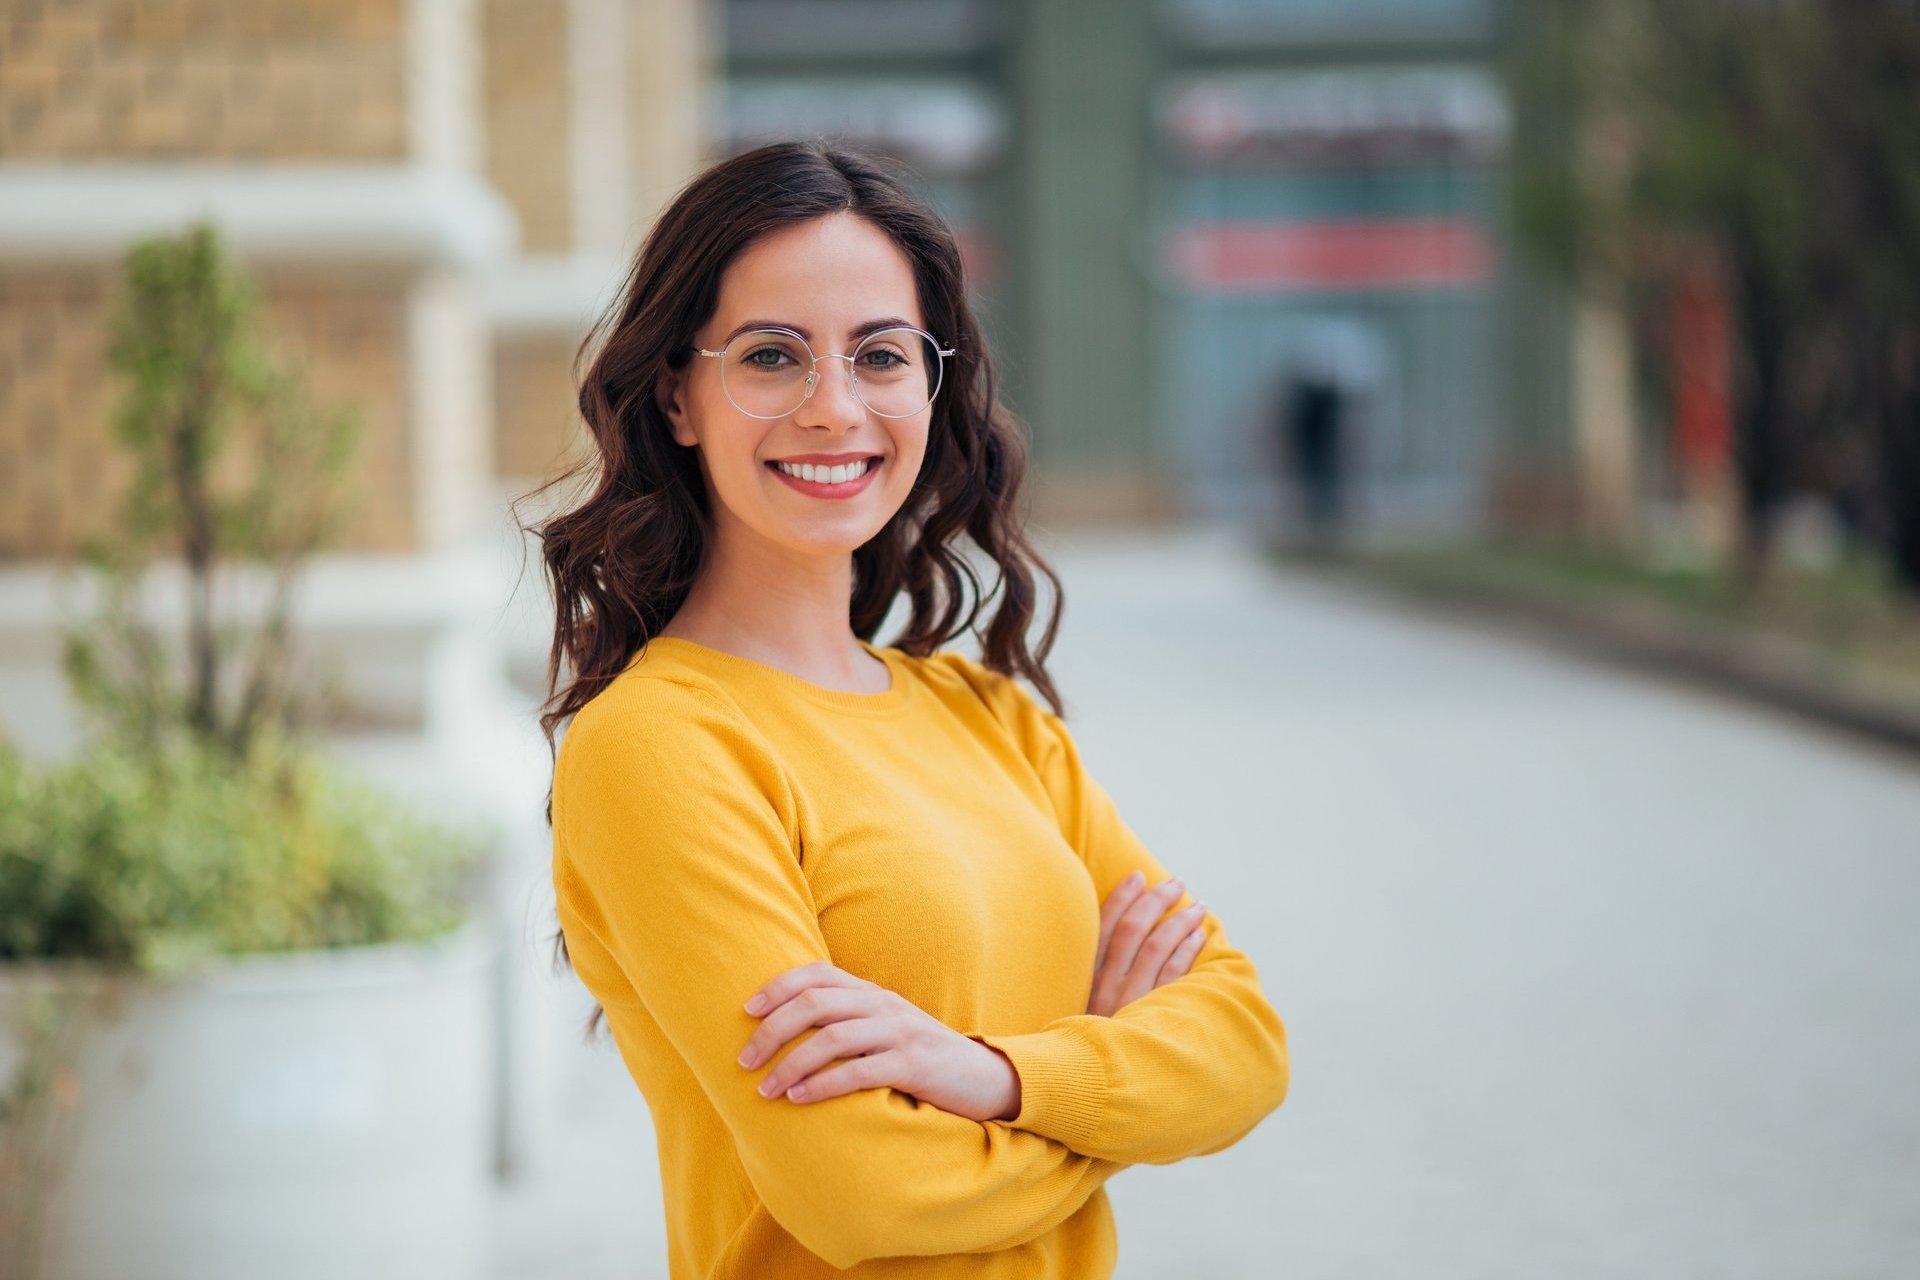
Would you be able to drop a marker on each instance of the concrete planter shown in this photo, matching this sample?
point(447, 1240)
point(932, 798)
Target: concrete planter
point(325, 1113)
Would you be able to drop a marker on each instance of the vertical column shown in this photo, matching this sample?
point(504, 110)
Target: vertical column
point(673, 61)
point(448, 346)
point(444, 117)
point(449, 372)
point(598, 88)
point(639, 84)
point(1083, 79)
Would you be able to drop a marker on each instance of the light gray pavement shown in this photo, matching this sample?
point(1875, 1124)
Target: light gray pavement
point(1583, 975)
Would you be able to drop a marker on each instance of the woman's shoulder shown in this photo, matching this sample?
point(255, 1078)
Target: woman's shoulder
point(661, 708)
point(958, 670)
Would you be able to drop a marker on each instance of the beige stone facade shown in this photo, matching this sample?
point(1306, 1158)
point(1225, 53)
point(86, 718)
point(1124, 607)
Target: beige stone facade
point(525, 75)
point(539, 426)
point(434, 198)
point(597, 114)
point(60, 471)
point(433, 195)
point(267, 80)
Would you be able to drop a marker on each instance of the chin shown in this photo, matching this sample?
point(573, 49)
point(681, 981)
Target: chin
point(840, 541)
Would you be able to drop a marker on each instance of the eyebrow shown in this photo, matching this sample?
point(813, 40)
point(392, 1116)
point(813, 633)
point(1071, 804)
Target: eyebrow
point(859, 331)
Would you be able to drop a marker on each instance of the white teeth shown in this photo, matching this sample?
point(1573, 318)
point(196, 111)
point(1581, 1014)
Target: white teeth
point(827, 475)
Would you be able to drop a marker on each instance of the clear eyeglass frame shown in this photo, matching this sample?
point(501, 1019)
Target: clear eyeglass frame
point(813, 374)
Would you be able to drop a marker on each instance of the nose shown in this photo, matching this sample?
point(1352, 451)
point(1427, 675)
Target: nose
point(830, 395)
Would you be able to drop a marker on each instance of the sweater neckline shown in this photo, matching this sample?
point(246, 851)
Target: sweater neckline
point(891, 699)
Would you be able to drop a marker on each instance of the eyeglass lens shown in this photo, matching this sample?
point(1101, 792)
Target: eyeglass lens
point(896, 372)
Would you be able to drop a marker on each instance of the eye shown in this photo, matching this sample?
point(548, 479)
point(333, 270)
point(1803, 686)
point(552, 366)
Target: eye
point(884, 359)
point(753, 357)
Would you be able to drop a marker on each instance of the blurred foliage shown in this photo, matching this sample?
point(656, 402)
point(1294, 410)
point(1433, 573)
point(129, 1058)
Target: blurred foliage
point(161, 861)
point(199, 822)
point(1774, 144)
point(235, 470)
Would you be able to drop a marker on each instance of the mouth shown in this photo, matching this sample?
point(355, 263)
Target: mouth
point(819, 482)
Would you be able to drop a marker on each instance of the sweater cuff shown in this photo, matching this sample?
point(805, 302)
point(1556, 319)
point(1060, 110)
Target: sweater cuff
point(1063, 1084)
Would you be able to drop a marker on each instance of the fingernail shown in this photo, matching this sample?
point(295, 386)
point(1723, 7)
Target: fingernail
point(766, 1087)
point(746, 1057)
point(756, 1004)
point(1137, 878)
point(1173, 886)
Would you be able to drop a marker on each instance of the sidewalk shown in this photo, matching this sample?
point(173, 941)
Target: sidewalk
point(1859, 696)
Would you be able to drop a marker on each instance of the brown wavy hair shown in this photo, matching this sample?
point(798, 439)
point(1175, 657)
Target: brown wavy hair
point(621, 562)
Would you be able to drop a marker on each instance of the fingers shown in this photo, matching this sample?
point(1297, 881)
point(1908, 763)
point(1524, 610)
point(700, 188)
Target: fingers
point(795, 980)
point(1157, 949)
point(1124, 895)
point(875, 1070)
point(792, 1008)
point(1180, 963)
point(1129, 931)
point(850, 1038)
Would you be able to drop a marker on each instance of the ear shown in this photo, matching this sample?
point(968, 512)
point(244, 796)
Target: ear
point(671, 396)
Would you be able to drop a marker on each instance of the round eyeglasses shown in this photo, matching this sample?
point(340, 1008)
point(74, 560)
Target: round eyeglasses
point(769, 373)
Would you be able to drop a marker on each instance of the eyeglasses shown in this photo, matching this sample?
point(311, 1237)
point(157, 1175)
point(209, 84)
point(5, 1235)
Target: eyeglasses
point(770, 373)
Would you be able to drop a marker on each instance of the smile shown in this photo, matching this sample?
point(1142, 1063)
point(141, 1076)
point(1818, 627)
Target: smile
point(821, 484)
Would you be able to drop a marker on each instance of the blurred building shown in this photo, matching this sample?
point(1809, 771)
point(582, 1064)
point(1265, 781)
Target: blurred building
point(1168, 207)
point(435, 197)
point(1171, 205)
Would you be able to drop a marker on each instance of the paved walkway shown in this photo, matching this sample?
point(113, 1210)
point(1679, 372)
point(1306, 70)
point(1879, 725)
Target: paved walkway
point(1584, 976)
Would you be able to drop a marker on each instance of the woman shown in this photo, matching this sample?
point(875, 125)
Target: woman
point(899, 986)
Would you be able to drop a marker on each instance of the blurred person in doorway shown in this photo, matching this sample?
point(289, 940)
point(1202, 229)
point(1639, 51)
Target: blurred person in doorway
point(1330, 373)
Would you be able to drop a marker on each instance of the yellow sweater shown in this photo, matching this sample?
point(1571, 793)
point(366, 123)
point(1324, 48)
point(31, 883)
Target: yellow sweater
point(718, 821)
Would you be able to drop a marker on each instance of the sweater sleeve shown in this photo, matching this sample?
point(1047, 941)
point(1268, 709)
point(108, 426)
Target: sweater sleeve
point(1189, 1068)
point(675, 837)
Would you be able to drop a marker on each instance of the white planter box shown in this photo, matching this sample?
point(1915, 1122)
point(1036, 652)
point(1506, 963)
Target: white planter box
point(313, 1114)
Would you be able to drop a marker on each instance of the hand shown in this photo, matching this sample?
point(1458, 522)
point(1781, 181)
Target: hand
point(887, 1041)
point(1131, 961)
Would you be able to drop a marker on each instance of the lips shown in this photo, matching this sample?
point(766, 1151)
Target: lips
point(821, 489)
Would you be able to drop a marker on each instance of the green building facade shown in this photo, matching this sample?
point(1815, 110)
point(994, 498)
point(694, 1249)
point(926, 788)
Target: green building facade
point(1176, 211)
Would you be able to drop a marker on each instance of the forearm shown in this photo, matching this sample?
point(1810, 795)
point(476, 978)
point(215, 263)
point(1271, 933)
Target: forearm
point(1010, 1088)
point(1185, 1070)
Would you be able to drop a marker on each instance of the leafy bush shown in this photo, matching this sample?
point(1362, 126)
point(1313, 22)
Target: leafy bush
point(161, 861)
point(201, 822)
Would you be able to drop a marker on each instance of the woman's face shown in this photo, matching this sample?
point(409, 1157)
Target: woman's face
point(826, 279)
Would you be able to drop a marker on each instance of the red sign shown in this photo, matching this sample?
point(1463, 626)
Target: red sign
point(1344, 253)
point(1702, 373)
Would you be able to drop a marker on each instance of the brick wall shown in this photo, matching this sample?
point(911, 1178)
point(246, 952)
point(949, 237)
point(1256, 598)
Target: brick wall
point(55, 407)
point(538, 426)
point(62, 471)
point(204, 80)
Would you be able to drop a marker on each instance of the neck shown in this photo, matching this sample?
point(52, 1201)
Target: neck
point(776, 605)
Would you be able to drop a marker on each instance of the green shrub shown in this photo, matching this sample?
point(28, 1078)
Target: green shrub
point(161, 861)
point(200, 822)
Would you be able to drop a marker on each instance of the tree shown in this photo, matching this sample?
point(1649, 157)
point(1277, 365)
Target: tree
point(1777, 143)
point(234, 470)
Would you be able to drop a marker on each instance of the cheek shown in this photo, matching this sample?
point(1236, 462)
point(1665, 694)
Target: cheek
point(913, 460)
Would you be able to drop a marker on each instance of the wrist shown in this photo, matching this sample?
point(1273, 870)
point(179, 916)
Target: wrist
point(1009, 1096)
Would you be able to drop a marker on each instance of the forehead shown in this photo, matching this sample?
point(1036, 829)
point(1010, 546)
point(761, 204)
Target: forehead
point(825, 276)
